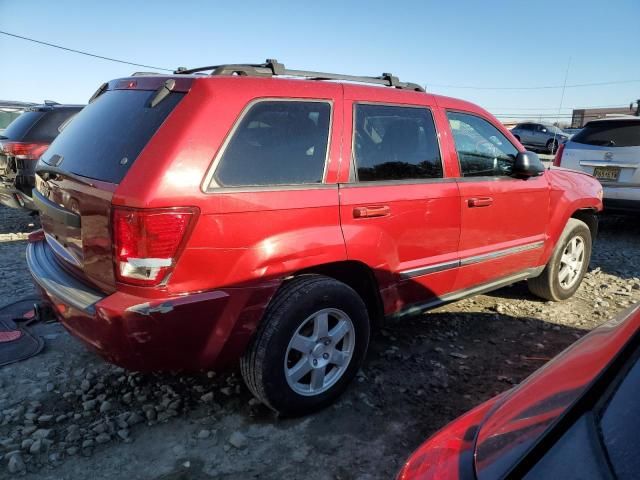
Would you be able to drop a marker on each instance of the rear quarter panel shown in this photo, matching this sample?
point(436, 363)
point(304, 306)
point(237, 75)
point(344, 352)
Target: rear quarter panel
point(242, 236)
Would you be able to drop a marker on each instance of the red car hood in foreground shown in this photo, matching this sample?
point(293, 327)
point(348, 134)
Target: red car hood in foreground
point(490, 440)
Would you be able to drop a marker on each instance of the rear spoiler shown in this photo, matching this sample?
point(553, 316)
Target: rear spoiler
point(178, 83)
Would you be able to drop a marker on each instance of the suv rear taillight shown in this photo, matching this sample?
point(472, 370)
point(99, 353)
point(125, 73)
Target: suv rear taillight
point(148, 242)
point(558, 158)
point(23, 150)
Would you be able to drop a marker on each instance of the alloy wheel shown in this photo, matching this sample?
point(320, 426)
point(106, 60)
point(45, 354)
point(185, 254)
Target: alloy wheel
point(319, 352)
point(571, 263)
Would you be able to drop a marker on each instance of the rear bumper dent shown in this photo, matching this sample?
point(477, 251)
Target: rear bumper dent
point(188, 332)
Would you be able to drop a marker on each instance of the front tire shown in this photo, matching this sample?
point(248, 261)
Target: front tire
point(564, 273)
point(312, 340)
point(552, 146)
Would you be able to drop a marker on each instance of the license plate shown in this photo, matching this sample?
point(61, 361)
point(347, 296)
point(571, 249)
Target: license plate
point(606, 173)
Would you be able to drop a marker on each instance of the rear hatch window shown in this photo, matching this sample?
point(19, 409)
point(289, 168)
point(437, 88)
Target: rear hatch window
point(106, 137)
point(48, 126)
point(19, 128)
point(610, 134)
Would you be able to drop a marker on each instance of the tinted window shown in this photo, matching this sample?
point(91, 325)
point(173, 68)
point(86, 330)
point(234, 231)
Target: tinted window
point(575, 456)
point(21, 125)
point(395, 143)
point(525, 126)
point(620, 424)
point(106, 137)
point(48, 126)
point(610, 134)
point(482, 149)
point(277, 143)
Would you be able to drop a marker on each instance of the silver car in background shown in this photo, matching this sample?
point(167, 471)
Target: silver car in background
point(608, 149)
point(541, 136)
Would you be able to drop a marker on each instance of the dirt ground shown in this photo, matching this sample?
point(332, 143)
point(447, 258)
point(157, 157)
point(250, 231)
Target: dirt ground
point(65, 413)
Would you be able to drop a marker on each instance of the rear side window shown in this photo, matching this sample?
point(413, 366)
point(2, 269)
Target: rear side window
point(482, 149)
point(610, 134)
point(395, 143)
point(21, 125)
point(277, 143)
point(106, 137)
point(49, 124)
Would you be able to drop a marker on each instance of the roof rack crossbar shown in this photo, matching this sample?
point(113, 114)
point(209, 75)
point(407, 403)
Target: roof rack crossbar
point(273, 68)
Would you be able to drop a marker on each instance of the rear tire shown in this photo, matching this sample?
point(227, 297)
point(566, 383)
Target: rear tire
point(309, 346)
point(563, 274)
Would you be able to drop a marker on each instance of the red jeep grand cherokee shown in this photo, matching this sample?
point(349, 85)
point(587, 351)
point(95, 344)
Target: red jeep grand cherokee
point(193, 219)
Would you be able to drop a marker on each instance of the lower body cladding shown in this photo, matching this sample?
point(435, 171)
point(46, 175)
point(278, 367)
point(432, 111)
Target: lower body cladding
point(190, 332)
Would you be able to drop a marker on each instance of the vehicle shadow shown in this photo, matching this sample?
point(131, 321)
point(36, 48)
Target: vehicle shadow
point(420, 373)
point(13, 220)
point(424, 371)
point(516, 291)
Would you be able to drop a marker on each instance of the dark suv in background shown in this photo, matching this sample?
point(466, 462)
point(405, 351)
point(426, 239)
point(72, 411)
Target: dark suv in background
point(22, 143)
point(10, 110)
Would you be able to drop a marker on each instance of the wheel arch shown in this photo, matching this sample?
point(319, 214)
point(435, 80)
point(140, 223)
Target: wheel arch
point(586, 214)
point(359, 277)
point(590, 217)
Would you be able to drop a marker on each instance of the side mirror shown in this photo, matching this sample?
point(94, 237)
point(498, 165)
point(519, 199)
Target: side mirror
point(526, 165)
point(544, 130)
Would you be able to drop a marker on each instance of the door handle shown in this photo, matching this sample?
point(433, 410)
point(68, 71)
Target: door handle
point(480, 202)
point(371, 211)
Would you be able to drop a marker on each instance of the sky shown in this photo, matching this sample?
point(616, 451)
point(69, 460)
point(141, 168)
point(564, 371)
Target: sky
point(444, 45)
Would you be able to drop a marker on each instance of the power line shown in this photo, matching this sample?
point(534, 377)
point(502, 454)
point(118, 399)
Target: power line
point(622, 105)
point(545, 115)
point(83, 53)
point(473, 87)
point(543, 87)
point(533, 115)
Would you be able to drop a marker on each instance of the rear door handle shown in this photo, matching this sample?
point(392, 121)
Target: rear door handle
point(371, 211)
point(480, 202)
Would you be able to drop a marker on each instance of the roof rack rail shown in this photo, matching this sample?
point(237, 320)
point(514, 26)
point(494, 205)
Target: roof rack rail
point(273, 68)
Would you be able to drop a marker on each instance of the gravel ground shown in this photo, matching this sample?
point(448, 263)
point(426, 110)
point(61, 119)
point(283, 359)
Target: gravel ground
point(65, 413)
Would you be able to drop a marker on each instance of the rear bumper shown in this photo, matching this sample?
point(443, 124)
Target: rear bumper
point(621, 205)
point(189, 332)
point(621, 198)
